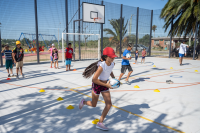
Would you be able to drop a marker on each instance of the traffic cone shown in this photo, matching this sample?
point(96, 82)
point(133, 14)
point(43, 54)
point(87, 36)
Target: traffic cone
point(136, 86)
point(156, 90)
point(8, 79)
point(95, 121)
point(70, 107)
point(42, 90)
point(60, 99)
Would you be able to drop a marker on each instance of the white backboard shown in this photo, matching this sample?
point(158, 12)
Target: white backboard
point(91, 11)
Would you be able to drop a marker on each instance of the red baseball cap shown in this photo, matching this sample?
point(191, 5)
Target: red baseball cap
point(109, 52)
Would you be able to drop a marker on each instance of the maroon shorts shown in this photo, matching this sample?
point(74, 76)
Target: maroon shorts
point(98, 88)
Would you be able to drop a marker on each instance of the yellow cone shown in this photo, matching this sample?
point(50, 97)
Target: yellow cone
point(70, 107)
point(60, 99)
point(136, 86)
point(196, 71)
point(156, 90)
point(171, 67)
point(42, 90)
point(154, 65)
point(95, 121)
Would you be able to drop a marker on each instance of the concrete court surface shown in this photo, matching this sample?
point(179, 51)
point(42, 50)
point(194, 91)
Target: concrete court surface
point(176, 108)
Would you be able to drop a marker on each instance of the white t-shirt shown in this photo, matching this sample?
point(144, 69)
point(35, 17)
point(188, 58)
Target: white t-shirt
point(182, 49)
point(106, 70)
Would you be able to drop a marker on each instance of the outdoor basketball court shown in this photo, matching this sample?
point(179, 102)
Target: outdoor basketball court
point(175, 108)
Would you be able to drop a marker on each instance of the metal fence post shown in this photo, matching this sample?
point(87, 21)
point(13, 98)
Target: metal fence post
point(171, 36)
point(102, 34)
point(137, 27)
point(150, 32)
point(36, 30)
point(74, 39)
point(120, 48)
point(66, 14)
point(79, 42)
point(1, 49)
point(195, 39)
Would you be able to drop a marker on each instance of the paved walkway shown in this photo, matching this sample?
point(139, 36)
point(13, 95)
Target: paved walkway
point(176, 108)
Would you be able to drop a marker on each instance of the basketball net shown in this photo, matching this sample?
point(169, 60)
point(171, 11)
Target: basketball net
point(96, 19)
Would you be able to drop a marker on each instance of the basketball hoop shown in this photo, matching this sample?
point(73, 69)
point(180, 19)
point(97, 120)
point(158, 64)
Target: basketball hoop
point(96, 19)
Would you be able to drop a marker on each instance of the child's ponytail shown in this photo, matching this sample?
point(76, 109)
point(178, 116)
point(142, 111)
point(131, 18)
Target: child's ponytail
point(92, 68)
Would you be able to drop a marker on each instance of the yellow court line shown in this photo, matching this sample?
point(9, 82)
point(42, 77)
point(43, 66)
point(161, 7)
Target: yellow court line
point(81, 87)
point(132, 113)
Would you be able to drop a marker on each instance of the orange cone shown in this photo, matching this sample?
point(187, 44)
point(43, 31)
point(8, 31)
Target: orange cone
point(74, 70)
point(8, 79)
point(133, 63)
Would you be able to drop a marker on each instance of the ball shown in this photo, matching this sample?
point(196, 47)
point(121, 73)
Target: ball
point(114, 83)
point(128, 55)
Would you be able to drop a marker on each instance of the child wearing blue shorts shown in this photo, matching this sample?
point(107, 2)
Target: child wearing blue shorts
point(68, 56)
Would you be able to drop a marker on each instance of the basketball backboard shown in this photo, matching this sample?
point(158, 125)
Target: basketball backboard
point(93, 13)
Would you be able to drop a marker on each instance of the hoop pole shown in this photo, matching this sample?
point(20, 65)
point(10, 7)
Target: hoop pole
point(63, 51)
point(98, 47)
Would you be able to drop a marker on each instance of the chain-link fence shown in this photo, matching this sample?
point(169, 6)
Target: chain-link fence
point(18, 23)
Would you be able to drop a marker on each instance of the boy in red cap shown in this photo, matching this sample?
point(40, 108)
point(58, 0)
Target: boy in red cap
point(103, 70)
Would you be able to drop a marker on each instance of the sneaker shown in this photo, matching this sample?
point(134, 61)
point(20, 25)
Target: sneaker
point(9, 75)
point(17, 76)
point(101, 126)
point(22, 75)
point(128, 82)
point(12, 75)
point(51, 67)
point(81, 103)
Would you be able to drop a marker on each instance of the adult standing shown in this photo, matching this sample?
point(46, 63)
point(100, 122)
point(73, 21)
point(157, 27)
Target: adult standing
point(51, 50)
point(182, 51)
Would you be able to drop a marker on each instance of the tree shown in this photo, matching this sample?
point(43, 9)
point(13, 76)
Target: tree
point(185, 14)
point(145, 40)
point(116, 33)
point(130, 39)
point(154, 29)
point(25, 41)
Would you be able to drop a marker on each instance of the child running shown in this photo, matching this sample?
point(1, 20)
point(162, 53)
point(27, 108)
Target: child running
point(102, 70)
point(9, 60)
point(18, 56)
point(68, 56)
point(143, 56)
point(55, 57)
point(126, 65)
point(136, 56)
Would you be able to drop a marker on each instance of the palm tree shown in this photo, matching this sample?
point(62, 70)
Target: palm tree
point(185, 13)
point(116, 33)
point(154, 29)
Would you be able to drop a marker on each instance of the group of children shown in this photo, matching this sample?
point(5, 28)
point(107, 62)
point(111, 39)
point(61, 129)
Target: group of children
point(15, 56)
point(54, 56)
point(101, 69)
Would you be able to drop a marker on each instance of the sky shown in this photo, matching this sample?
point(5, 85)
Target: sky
point(18, 16)
point(147, 4)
